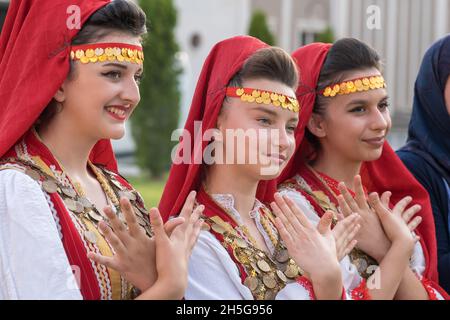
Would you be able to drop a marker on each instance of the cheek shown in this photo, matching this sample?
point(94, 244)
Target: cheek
point(345, 127)
point(387, 118)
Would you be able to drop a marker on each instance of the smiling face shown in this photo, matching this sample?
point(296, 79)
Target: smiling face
point(272, 141)
point(354, 126)
point(99, 97)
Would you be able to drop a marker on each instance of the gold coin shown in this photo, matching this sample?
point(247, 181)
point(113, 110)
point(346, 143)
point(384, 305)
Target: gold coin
point(241, 243)
point(240, 92)
point(69, 192)
point(269, 281)
point(33, 174)
point(291, 271)
point(282, 256)
point(116, 183)
point(99, 52)
point(281, 275)
point(50, 186)
point(109, 52)
point(84, 59)
point(206, 226)
point(270, 295)
point(79, 54)
point(90, 236)
point(90, 53)
point(256, 93)
point(217, 228)
point(251, 283)
point(263, 265)
point(255, 267)
point(127, 194)
point(79, 208)
point(70, 204)
point(265, 95)
point(85, 203)
point(94, 215)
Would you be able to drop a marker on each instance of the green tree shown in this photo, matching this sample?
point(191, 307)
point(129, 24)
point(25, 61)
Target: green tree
point(158, 112)
point(259, 29)
point(326, 36)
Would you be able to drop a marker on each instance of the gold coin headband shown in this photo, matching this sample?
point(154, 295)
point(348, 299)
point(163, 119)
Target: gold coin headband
point(102, 52)
point(264, 97)
point(354, 85)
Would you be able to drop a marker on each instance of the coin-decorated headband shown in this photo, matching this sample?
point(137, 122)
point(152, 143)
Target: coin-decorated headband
point(101, 52)
point(355, 85)
point(264, 97)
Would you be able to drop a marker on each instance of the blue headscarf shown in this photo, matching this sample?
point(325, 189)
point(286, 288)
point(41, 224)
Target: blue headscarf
point(429, 128)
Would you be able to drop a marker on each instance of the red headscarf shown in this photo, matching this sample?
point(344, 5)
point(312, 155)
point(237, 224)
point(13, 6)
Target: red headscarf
point(377, 176)
point(34, 62)
point(223, 62)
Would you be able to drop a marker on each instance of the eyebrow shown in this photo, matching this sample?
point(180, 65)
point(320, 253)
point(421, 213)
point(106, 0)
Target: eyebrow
point(270, 112)
point(119, 65)
point(273, 113)
point(362, 101)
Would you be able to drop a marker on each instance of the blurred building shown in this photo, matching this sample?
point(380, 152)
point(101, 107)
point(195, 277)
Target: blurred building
point(400, 30)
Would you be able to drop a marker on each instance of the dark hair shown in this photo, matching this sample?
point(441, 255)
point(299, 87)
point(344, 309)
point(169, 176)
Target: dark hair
point(268, 63)
point(345, 55)
point(119, 15)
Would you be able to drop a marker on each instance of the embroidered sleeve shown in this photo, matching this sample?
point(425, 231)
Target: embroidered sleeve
point(306, 283)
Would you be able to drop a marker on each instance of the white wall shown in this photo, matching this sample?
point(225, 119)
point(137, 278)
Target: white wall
point(212, 20)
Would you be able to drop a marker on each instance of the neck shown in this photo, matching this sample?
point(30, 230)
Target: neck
point(69, 147)
point(336, 167)
point(224, 179)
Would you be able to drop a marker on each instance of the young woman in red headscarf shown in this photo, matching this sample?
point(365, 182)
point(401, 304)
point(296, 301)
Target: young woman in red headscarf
point(247, 87)
point(344, 94)
point(69, 74)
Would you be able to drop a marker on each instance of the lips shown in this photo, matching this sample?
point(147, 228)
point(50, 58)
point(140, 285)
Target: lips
point(377, 141)
point(280, 158)
point(118, 112)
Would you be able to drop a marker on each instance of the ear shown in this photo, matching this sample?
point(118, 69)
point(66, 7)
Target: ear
point(316, 125)
point(60, 95)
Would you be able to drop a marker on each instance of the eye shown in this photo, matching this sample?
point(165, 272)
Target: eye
point(359, 109)
point(115, 75)
point(264, 121)
point(138, 78)
point(384, 105)
point(291, 128)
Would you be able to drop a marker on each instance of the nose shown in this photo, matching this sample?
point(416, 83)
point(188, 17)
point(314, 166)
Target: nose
point(284, 139)
point(379, 121)
point(130, 92)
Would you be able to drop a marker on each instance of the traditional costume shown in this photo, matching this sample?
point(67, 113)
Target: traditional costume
point(226, 263)
point(316, 192)
point(47, 224)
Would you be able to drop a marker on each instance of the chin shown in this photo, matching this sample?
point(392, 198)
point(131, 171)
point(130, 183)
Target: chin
point(115, 134)
point(372, 155)
point(270, 172)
